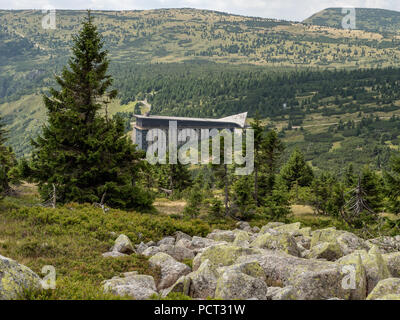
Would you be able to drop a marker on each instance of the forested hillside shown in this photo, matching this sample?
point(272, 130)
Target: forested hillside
point(210, 64)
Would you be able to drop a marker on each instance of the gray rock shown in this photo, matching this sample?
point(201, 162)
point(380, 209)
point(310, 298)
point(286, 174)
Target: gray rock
point(151, 244)
point(330, 251)
point(255, 229)
point(15, 279)
point(251, 268)
point(223, 255)
point(114, 254)
point(390, 286)
point(222, 235)
point(151, 251)
point(130, 274)
point(288, 228)
point(140, 248)
point(375, 266)
point(242, 225)
point(171, 270)
point(204, 281)
point(386, 244)
point(201, 243)
point(185, 243)
point(393, 262)
point(312, 279)
point(177, 252)
point(277, 293)
point(166, 240)
point(182, 285)
point(282, 241)
point(139, 287)
point(181, 235)
point(347, 241)
point(123, 245)
point(303, 241)
point(242, 239)
point(237, 285)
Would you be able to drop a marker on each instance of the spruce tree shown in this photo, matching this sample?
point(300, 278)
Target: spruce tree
point(81, 151)
point(296, 171)
point(7, 162)
point(267, 151)
point(258, 154)
point(392, 181)
point(242, 196)
point(373, 187)
point(272, 149)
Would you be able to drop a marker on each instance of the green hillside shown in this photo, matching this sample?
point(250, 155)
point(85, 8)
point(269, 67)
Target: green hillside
point(206, 63)
point(372, 20)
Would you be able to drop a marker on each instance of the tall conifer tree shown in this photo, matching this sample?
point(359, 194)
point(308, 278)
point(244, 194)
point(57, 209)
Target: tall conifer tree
point(81, 151)
point(7, 161)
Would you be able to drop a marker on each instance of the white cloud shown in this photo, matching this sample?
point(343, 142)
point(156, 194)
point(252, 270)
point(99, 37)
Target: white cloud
point(281, 9)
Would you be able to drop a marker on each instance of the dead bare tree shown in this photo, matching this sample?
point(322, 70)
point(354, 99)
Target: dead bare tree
point(356, 206)
point(102, 204)
point(52, 200)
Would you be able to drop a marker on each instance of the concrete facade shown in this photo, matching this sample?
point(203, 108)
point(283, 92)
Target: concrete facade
point(146, 123)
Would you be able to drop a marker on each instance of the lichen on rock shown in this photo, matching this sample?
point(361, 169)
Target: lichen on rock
point(15, 279)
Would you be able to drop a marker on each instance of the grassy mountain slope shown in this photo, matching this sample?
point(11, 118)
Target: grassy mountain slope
point(171, 35)
point(371, 20)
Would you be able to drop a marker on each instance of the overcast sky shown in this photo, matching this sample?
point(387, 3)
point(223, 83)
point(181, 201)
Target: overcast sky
point(280, 9)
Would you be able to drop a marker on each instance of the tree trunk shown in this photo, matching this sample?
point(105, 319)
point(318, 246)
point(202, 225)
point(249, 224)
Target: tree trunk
point(226, 190)
point(256, 185)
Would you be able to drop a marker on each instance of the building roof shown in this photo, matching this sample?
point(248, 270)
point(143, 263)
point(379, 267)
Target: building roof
point(238, 119)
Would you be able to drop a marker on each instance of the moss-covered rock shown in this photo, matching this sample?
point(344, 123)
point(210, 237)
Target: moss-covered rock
point(242, 238)
point(179, 253)
point(123, 245)
point(171, 270)
point(222, 235)
point(280, 241)
point(181, 235)
point(166, 241)
point(204, 281)
point(278, 293)
point(139, 287)
point(222, 255)
point(393, 262)
point(375, 266)
point(288, 228)
point(325, 250)
point(390, 286)
point(386, 244)
point(251, 268)
point(242, 225)
point(306, 232)
point(199, 243)
point(182, 285)
point(311, 279)
point(347, 241)
point(237, 285)
point(15, 279)
point(390, 297)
